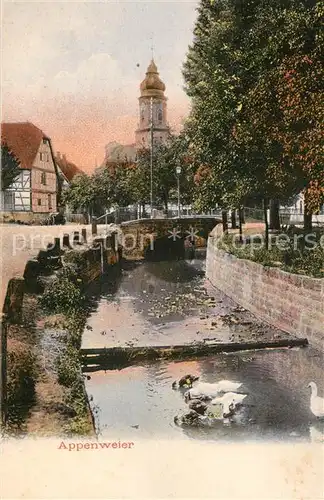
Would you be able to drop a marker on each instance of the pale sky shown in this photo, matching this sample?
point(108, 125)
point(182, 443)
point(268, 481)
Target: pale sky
point(71, 68)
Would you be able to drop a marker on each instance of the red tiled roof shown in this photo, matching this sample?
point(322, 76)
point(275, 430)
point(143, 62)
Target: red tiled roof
point(69, 169)
point(23, 139)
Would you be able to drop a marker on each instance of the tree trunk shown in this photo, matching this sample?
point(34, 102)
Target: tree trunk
point(308, 226)
point(241, 211)
point(224, 221)
point(233, 219)
point(265, 212)
point(166, 201)
point(274, 214)
point(241, 221)
point(308, 215)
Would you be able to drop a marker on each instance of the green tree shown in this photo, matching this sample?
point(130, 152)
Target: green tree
point(166, 157)
point(138, 178)
point(286, 105)
point(105, 188)
point(9, 167)
point(216, 81)
point(238, 124)
point(111, 186)
point(81, 193)
point(165, 178)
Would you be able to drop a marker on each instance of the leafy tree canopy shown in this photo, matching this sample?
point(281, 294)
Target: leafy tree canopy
point(9, 167)
point(254, 74)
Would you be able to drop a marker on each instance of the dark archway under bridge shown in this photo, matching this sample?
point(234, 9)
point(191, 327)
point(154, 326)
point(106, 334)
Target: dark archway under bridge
point(157, 239)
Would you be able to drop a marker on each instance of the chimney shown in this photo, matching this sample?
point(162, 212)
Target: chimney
point(58, 155)
point(64, 158)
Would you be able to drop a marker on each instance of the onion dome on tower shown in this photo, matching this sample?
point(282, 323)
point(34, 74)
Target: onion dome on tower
point(152, 85)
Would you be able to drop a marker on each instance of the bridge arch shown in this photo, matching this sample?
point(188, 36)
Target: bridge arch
point(156, 239)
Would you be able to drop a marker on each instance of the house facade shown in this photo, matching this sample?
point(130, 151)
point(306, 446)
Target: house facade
point(296, 211)
point(66, 172)
point(67, 169)
point(115, 152)
point(35, 188)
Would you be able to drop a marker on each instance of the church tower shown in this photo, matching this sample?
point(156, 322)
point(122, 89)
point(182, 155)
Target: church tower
point(152, 110)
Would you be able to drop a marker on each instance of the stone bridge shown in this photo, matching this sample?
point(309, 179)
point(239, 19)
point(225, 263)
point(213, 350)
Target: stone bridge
point(158, 239)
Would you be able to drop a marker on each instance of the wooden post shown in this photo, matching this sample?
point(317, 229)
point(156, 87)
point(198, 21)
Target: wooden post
point(84, 235)
point(308, 221)
point(42, 257)
point(66, 241)
point(31, 273)
point(3, 371)
point(224, 221)
point(14, 300)
point(94, 229)
point(114, 241)
point(57, 246)
point(99, 245)
point(233, 219)
point(54, 249)
point(76, 238)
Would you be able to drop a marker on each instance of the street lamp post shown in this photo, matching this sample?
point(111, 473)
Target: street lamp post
point(178, 171)
point(151, 154)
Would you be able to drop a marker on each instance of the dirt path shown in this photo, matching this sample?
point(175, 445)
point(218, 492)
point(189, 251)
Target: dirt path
point(19, 243)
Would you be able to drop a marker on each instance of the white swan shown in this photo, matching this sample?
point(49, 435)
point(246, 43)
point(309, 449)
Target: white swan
point(206, 390)
point(229, 402)
point(316, 402)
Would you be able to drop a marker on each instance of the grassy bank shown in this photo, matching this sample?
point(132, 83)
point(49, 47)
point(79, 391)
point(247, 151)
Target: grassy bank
point(46, 393)
point(64, 304)
point(293, 251)
point(23, 368)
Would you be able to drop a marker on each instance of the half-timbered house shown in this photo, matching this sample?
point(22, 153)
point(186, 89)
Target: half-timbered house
point(35, 188)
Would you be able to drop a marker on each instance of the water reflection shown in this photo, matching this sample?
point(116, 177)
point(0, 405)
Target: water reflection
point(149, 303)
point(140, 399)
point(162, 303)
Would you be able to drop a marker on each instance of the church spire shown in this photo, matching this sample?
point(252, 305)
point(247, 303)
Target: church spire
point(153, 109)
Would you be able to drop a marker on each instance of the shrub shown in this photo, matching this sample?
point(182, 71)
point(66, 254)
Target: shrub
point(300, 260)
point(22, 372)
point(310, 262)
point(79, 426)
point(68, 367)
point(74, 325)
point(70, 272)
point(61, 296)
point(76, 399)
point(77, 259)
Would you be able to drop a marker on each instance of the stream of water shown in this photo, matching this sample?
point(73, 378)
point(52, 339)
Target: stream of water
point(163, 303)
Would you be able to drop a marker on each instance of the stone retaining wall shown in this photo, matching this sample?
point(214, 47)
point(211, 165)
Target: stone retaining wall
point(291, 302)
point(97, 257)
